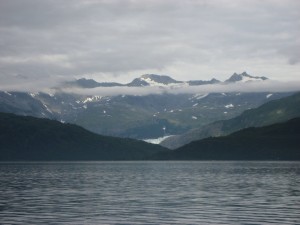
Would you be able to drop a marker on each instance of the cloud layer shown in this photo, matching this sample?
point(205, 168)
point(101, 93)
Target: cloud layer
point(265, 86)
point(119, 39)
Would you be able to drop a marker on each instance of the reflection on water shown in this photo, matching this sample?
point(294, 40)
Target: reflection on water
point(150, 193)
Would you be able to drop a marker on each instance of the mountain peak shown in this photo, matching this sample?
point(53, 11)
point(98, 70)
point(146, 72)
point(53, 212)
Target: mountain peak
point(90, 83)
point(244, 77)
point(153, 80)
point(83, 83)
point(164, 79)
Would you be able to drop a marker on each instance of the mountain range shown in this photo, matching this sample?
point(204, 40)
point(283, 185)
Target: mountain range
point(162, 81)
point(148, 116)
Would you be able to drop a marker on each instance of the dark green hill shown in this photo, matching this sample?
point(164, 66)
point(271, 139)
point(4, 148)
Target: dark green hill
point(29, 138)
point(275, 111)
point(274, 142)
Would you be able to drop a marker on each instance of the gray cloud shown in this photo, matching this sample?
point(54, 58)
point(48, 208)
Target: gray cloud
point(187, 39)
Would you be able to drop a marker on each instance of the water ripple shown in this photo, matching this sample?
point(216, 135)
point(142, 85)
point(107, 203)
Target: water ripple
point(150, 193)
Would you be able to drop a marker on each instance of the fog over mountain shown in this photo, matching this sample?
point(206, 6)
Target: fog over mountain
point(266, 86)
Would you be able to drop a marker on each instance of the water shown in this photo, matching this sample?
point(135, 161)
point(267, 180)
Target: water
point(150, 193)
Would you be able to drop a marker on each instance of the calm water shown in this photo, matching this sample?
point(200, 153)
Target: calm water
point(150, 193)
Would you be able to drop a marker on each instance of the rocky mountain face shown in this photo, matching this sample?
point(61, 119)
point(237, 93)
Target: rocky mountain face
point(136, 116)
point(244, 77)
point(153, 80)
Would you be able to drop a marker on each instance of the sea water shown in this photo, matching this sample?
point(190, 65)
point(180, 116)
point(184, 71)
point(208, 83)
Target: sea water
point(147, 192)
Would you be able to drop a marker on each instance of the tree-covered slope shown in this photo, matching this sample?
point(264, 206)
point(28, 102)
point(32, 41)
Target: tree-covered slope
point(29, 138)
point(275, 111)
point(274, 142)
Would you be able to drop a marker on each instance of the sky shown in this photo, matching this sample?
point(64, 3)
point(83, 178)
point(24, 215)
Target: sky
point(43, 42)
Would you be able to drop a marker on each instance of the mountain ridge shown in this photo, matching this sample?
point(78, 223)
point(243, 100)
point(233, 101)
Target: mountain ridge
point(161, 80)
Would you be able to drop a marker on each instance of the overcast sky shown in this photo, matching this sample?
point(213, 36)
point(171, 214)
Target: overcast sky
point(117, 40)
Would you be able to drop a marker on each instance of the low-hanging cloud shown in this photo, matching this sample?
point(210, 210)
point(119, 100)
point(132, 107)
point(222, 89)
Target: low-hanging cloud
point(263, 86)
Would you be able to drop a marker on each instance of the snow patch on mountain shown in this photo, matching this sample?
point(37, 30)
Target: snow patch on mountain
point(46, 107)
point(92, 99)
point(229, 106)
point(199, 96)
point(154, 83)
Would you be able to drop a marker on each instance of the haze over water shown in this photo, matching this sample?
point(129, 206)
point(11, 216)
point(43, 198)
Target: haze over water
point(150, 193)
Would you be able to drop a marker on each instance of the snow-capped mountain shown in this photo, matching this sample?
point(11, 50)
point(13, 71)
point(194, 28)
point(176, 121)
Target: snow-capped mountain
point(154, 80)
point(244, 77)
